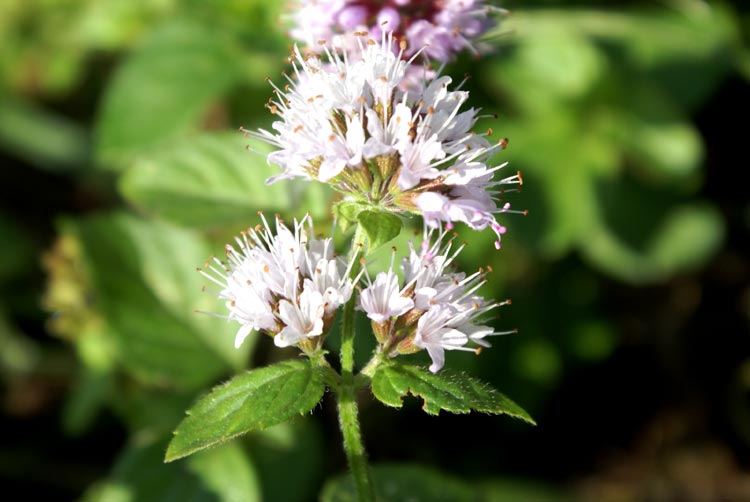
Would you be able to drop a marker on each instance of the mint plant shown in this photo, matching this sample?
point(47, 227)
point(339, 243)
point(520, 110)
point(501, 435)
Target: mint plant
point(391, 148)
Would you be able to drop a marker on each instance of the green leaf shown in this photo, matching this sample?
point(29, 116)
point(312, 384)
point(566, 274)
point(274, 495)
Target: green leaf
point(86, 400)
point(657, 134)
point(227, 472)
point(380, 227)
point(207, 180)
point(18, 352)
point(514, 490)
point(148, 411)
point(161, 91)
point(222, 474)
point(252, 401)
point(19, 255)
point(447, 390)
point(43, 138)
point(685, 239)
point(145, 284)
point(347, 212)
point(296, 446)
point(697, 45)
point(558, 64)
point(403, 482)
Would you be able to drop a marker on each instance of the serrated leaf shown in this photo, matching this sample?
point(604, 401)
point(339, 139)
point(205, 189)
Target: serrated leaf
point(145, 283)
point(207, 180)
point(447, 390)
point(380, 227)
point(163, 88)
point(252, 401)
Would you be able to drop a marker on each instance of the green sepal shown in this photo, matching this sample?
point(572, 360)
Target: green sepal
point(348, 211)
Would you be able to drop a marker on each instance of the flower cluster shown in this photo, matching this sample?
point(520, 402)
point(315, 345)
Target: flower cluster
point(435, 309)
point(442, 28)
point(351, 125)
point(284, 283)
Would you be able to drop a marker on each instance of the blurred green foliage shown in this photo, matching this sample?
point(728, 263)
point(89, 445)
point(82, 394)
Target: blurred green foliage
point(138, 100)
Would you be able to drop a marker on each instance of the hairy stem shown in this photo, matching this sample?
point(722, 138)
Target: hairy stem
point(347, 404)
point(355, 450)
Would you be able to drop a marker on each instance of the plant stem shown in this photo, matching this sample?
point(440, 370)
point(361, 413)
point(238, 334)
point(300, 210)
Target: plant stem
point(355, 450)
point(347, 404)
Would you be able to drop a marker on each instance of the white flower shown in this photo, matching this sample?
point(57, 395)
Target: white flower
point(446, 313)
point(350, 124)
point(436, 336)
point(281, 282)
point(302, 319)
point(383, 299)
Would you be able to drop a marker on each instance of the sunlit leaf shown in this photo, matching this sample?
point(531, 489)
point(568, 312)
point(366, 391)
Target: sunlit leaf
point(699, 44)
point(145, 283)
point(207, 180)
point(251, 401)
point(163, 88)
point(447, 390)
point(556, 64)
point(380, 227)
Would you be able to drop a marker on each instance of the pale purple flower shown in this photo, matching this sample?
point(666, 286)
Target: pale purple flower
point(438, 309)
point(351, 125)
point(442, 28)
point(281, 282)
point(434, 334)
